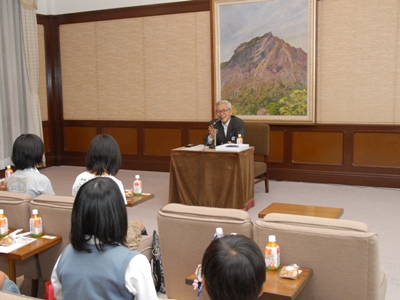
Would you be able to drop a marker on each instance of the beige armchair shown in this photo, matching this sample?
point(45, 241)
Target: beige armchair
point(343, 254)
point(185, 233)
point(257, 135)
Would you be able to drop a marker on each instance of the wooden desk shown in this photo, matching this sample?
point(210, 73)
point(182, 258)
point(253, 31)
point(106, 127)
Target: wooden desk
point(305, 210)
point(212, 178)
point(277, 288)
point(27, 251)
point(135, 200)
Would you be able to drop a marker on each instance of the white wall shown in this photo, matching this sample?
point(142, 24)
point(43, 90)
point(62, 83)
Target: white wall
point(59, 7)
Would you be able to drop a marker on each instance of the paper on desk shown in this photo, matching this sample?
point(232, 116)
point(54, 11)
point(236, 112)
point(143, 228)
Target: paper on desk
point(232, 147)
point(194, 148)
point(19, 242)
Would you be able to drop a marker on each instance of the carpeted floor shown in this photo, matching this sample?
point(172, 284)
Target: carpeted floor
point(379, 208)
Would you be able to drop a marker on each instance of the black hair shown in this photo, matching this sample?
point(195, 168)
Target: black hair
point(233, 268)
point(27, 152)
point(99, 211)
point(103, 155)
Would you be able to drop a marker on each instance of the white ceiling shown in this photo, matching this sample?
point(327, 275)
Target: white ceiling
point(59, 7)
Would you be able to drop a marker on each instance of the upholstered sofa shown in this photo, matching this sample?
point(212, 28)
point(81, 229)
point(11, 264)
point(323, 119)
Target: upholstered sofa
point(185, 232)
point(343, 254)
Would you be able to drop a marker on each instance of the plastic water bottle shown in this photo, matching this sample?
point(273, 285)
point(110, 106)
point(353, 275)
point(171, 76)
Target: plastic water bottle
point(219, 233)
point(3, 223)
point(239, 139)
point(35, 224)
point(8, 172)
point(137, 186)
point(272, 254)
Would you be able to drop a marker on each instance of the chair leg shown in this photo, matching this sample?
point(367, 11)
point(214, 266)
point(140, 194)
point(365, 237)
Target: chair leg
point(266, 184)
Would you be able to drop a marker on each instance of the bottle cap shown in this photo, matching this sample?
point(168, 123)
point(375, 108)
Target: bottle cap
point(219, 231)
point(272, 238)
point(1, 212)
point(137, 176)
point(8, 166)
point(34, 211)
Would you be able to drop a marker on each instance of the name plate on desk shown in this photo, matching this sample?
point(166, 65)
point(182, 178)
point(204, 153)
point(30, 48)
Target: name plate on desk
point(232, 147)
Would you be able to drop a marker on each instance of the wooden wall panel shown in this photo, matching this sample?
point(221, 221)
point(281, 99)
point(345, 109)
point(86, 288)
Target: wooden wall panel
point(377, 149)
point(125, 137)
point(158, 141)
point(196, 136)
point(46, 139)
point(276, 146)
point(78, 139)
point(318, 147)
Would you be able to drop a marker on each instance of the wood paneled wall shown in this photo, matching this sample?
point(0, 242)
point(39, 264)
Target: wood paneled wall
point(337, 153)
point(342, 154)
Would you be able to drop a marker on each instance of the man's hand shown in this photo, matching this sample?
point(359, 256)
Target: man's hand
point(212, 131)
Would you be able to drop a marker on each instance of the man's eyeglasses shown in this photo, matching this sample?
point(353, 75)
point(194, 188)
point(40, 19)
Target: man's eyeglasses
point(222, 110)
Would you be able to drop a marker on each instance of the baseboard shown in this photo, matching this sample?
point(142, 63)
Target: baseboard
point(346, 178)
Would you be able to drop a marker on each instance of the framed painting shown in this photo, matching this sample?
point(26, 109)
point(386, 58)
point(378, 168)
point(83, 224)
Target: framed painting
point(264, 58)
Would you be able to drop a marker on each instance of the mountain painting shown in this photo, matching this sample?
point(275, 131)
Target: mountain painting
point(263, 58)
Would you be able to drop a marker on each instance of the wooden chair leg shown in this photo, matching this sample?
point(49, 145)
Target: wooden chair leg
point(266, 184)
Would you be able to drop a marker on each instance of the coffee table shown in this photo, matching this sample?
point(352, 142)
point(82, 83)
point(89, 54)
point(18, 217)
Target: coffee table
point(39, 245)
point(306, 210)
point(277, 288)
point(135, 200)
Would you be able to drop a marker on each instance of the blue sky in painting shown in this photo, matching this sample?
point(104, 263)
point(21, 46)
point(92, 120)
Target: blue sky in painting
point(241, 21)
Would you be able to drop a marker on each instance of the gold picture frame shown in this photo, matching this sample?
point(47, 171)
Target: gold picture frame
point(263, 55)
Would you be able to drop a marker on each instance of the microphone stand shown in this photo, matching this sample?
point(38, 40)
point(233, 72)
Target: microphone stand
point(215, 138)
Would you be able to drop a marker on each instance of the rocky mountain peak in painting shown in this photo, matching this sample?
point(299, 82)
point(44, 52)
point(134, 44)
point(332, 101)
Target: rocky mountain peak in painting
point(261, 72)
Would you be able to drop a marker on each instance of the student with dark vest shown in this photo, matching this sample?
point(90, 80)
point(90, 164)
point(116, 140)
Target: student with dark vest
point(97, 264)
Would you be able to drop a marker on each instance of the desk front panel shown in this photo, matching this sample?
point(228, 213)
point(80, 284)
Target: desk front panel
point(211, 178)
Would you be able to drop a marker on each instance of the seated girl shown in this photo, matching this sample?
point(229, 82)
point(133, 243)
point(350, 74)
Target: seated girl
point(27, 156)
point(97, 264)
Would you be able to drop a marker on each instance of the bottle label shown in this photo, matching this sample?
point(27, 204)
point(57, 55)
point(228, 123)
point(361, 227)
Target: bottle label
point(272, 257)
point(137, 187)
point(3, 226)
point(8, 173)
point(36, 226)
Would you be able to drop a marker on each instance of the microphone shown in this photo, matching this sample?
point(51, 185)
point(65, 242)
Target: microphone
point(216, 121)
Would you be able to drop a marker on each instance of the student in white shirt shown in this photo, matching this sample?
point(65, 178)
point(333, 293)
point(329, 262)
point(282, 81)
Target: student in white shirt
point(103, 159)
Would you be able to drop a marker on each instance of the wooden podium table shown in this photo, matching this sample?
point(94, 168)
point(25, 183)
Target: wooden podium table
point(212, 178)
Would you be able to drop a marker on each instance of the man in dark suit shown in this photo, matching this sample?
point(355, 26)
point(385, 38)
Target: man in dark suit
point(227, 128)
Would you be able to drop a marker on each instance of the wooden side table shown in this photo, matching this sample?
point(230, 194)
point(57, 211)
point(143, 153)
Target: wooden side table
point(278, 288)
point(135, 200)
point(305, 210)
point(39, 245)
